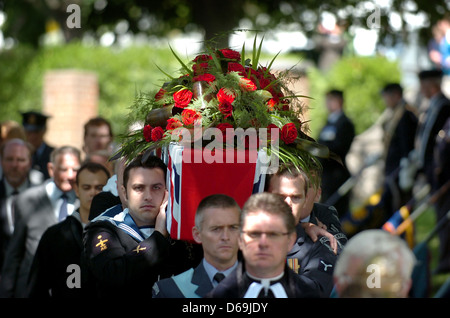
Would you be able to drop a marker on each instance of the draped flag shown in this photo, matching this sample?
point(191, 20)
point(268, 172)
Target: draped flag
point(190, 179)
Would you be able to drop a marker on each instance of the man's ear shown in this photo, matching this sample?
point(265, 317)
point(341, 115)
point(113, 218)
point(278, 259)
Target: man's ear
point(196, 235)
point(318, 194)
point(50, 169)
point(125, 195)
point(76, 189)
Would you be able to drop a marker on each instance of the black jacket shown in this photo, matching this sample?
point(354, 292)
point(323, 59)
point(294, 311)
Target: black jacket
point(59, 247)
point(237, 283)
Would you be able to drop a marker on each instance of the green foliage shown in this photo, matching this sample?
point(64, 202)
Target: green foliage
point(122, 75)
point(361, 79)
point(14, 66)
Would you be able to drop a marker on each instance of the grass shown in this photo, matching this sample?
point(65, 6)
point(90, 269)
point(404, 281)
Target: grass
point(424, 225)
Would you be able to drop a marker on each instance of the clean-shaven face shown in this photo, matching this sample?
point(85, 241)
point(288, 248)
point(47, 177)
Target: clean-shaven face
point(144, 194)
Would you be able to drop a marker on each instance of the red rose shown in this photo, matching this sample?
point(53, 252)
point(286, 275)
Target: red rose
point(157, 133)
point(247, 85)
point(263, 83)
point(271, 127)
point(230, 54)
point(202, 58)
point(271, 104)
point(160, 94)
point(182, 98)
point(236, 67)
point(285, 105)
point(226, 108)
point(200, 68)
point(190, 116)
point(204, 77)
point(223, 127)
point(173, 123)
point(225, 94)
point(289, 133)
point(148, 133)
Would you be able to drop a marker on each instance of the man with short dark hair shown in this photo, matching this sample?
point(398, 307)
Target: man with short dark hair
point(337, 135)
point(98, 136)
point(128, 251)
point(217, 230)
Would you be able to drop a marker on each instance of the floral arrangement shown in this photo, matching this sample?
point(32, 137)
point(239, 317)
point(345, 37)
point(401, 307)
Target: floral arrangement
point(221, 88)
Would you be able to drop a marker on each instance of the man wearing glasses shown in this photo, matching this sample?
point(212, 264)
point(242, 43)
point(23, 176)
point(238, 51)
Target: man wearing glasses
point(267, 234)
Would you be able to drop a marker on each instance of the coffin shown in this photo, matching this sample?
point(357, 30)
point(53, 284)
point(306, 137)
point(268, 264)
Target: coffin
point(191, 176)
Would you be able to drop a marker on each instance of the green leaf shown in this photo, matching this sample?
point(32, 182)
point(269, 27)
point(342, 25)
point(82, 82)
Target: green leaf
point(273, 60)
point(216, 61)
point(181, 62)
point(168, 75)
point(243, 55)
point(256, 53)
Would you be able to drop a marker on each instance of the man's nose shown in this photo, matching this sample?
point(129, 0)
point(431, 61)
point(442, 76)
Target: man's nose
point(288, 201)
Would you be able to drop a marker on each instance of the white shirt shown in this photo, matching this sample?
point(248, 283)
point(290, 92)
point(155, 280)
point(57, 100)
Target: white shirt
point(54, 194)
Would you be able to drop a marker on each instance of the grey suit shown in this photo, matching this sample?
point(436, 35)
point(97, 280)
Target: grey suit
point(194, 283)
point(33, 215)
point(6, 215)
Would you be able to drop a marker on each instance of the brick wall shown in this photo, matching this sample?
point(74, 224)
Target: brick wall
point(70, 97)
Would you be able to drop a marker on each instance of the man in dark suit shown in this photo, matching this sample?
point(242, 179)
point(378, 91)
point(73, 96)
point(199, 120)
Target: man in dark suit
point(112, 194)
point(399, 128)
point(15, 157)
point(61, 244)
point(217, 229)
point(35, 125)
point(35, 210)
point(441, 169)
point(432, 121)
point(337, 135)
point(267, 235)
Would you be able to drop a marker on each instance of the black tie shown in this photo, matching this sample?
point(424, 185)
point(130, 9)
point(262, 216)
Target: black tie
point(263, 294)
point(219, 277)
point(63, 209)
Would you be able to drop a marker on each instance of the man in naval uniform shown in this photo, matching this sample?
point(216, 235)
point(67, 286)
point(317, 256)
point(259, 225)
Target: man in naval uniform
point(126, 253)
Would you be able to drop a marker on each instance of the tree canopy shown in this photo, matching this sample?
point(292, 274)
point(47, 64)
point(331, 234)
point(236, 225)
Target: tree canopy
point(27, 20)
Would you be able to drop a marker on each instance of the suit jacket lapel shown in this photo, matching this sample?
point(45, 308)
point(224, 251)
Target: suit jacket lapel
point(201, 279)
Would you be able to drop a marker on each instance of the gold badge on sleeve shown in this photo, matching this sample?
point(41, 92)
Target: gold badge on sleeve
point(101, 243)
